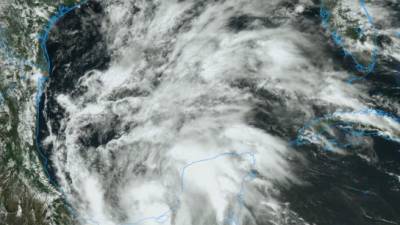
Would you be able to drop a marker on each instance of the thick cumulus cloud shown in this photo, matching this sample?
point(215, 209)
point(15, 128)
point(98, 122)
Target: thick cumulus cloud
point(165, 136)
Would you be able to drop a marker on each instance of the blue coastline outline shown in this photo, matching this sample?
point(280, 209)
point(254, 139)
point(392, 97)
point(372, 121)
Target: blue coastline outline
point(232, 219)
point(10, 58)
point(43, 38)
point(346, 127)
point(63, 10)
point(41, 82)
point(325, 15)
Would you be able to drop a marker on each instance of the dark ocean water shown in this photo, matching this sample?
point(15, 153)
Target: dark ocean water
point(359, 187)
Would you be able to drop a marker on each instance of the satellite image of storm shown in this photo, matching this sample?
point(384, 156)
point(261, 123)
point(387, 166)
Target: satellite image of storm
point(199, 112)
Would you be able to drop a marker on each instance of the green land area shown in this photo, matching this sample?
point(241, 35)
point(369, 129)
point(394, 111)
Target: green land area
point(26, 197)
